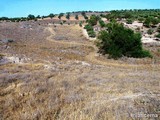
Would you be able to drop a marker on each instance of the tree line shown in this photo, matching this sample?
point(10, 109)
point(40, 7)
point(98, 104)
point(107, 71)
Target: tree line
point(35, 18)
point(149, 17)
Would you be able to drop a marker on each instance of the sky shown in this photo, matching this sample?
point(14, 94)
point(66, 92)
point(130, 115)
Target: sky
point(22, 8)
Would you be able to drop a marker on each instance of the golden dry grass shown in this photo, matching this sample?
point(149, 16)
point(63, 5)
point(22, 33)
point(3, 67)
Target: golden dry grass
point(65, 79)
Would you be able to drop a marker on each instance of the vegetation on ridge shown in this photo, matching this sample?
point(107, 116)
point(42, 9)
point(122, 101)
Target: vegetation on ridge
point(118, 41)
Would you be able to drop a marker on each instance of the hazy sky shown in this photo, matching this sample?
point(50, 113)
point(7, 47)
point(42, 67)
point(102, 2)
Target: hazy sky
point(19, 8)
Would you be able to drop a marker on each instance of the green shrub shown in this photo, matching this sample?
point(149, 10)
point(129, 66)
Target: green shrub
point(88, 27)
point(68, 16)
point(80, 24)
point(91, 34)
point(158, 29)
point(83, 13)
point(158, 36)
point(93, 20)
point(76, 17)
point(90, 30)
point(102, 24)
point(128, 15)
point(118, 41)
point(151, 21)
point(155, 21)
point(31, 17)
point(150, 31)
point(60, 15)
point(141, 19)
point(85, 17)
point(51, 15)
point(129, 21)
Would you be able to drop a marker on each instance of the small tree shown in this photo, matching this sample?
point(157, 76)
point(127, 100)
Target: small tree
point(51, 15)
point(68, 16)
point(83, 13)
point(31, 17)
point(119, 41)
point(102, 24)
point(60, 15)
point(76, 17)
point(85, 17)
point(93, 20)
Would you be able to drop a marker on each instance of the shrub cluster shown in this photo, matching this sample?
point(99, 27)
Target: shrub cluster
point(93, 20)
point(90, 30)
point(118, 41)
point(84, 15)
point(151, 21)
point(136, 14)
point(102, 24)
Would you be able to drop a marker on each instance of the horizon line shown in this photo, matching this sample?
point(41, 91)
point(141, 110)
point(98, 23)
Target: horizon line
point(98, 11)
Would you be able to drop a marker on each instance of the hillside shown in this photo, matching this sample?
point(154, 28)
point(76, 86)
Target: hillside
point(52, 71)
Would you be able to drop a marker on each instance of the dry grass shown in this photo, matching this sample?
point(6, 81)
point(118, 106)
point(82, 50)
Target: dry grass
point(64, 80)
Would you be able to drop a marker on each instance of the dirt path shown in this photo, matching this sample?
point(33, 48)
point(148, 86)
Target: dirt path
point(91, 57)
point(50, 38)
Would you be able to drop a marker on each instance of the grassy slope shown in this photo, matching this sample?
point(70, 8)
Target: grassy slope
point(65, 80)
